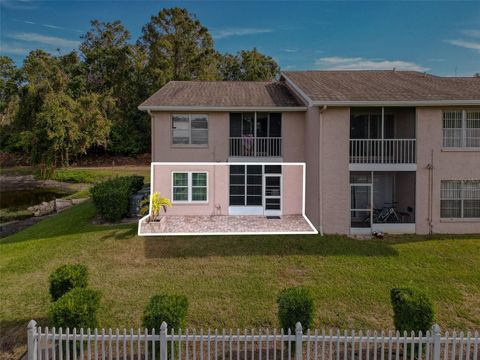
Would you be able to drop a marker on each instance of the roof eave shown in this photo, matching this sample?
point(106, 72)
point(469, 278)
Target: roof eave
point(398, 103)
point(297, 90)
point(222, 108)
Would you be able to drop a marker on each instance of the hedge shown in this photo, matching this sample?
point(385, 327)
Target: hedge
point(295, 305)
point(112, 197)
point(67, 277)
point(76, 309)
point(412, 310)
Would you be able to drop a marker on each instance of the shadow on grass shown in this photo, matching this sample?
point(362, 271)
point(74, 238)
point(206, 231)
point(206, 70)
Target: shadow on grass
point(276, 245)
point(284, 245)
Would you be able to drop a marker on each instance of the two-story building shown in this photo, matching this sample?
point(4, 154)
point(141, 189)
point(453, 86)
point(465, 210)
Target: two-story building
point(389, 151)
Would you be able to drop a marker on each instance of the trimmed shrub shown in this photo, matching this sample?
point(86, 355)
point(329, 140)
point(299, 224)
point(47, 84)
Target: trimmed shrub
point(412, 310)
point(295, 304)
point(77, 308)
point(112, 197)
point(170, 308)
point(67, 277)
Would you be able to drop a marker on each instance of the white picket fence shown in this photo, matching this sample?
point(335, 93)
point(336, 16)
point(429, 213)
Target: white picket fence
point(248, 344)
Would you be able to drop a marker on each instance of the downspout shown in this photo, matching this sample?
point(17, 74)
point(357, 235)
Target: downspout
point(320, 167)
point(152, 126)
point(430, 194)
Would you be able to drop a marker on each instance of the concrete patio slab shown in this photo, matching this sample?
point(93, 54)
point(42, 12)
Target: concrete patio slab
point(216, 225)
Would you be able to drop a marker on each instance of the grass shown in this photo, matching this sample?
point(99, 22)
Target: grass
point(233, 281)
point(96, 175)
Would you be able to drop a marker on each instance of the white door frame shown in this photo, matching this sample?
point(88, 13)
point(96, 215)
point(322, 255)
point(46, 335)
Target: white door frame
point(264, 196)
point(366, 229)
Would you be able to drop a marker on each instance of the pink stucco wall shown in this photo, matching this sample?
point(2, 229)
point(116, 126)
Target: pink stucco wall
point(163, 150)
point(311, 145)
point(447, 165)
point(335, 182)
point(292, 189)
point(218, 188)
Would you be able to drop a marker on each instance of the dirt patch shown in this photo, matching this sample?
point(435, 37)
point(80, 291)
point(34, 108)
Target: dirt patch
point(15, 226)
point(27, 182)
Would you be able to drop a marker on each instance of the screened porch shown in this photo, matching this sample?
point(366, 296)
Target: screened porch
point(382, 201)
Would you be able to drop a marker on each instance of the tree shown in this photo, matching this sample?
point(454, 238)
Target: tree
point(55, 130)
point(248, 65)
point(106, 54)
point(179, 47)
point(93, 122)
point(117, 70)
point(10, 82)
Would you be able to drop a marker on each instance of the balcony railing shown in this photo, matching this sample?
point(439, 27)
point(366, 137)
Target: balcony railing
point(256, 146)
point(382, 151)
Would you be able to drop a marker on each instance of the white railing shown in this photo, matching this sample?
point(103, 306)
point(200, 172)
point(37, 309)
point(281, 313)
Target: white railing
point(382, 151)
point(255, 146)
point(242, 345)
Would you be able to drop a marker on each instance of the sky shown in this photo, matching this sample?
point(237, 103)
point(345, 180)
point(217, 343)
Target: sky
point(442, 38)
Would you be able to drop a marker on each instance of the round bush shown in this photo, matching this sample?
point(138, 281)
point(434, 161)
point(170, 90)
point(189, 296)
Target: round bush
point(76, 309)
point(166, 307)
point(112, 197)
point(412, 310)
point(295, 305)
point(67, 277)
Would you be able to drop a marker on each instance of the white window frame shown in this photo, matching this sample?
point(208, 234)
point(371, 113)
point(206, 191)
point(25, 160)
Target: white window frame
point(189, 187)
point(462, 199)
point(463, 130)
point(189, 130)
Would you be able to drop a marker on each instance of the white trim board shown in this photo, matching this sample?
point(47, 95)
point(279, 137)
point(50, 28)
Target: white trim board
point(224, 108)
point(382, 167)
point(312, 231)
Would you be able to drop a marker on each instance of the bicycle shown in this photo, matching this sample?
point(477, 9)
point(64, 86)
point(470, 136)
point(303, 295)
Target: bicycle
point(387, 214)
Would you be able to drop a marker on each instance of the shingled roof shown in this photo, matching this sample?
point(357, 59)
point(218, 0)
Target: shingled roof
point(382, 86)
point(222, 95)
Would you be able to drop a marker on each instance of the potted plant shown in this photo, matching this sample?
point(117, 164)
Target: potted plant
point(158, 203)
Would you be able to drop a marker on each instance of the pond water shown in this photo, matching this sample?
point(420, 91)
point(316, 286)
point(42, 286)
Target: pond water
point(16, 199)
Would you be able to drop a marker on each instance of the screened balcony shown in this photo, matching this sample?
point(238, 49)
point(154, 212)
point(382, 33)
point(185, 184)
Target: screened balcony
point(255, 134)
point(382, 136)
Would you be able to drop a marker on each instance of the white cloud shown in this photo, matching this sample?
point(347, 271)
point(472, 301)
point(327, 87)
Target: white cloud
point(472, 33)
point(13, 49)
point(50, 26)
point(465, 44)
point(359, 63)
point(46, 40)
point(290, 50)
point(224, 33)
point(18, 4)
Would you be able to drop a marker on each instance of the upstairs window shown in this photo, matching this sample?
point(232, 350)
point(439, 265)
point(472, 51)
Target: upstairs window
point(189, 129)
point(461, 128)
point(460, 199)
point(256, 124)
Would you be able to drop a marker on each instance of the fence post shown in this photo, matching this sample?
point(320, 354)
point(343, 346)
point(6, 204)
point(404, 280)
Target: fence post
point(436, 341)
point(298, 341)
point(32, 343)
point(163, 341)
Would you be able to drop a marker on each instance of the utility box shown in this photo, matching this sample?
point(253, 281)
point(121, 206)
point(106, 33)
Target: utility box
point(136, 200)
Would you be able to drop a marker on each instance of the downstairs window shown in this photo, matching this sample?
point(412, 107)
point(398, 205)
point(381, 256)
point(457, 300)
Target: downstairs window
point(460, 199)
point(189, 187)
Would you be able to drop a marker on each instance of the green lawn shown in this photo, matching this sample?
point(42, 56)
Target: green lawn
point(232, 281)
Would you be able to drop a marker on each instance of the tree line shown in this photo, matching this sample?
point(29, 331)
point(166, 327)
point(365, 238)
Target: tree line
point(57, 107)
